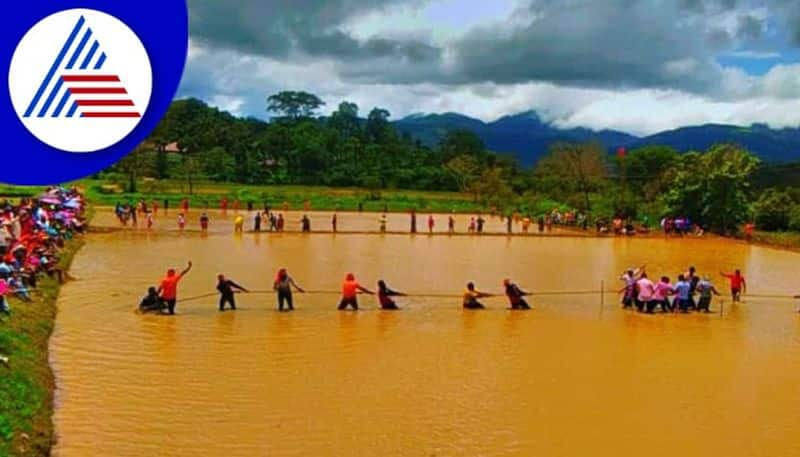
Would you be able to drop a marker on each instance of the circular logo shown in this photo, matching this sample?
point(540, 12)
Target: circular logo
point(80, 80)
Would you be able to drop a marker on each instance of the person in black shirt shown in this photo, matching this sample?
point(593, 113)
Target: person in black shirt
point(151, 302)
point(225, 288)
point(385, 295)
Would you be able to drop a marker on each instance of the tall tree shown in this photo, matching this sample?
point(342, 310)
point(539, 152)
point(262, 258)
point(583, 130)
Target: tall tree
point(345, 120)
point(465, 170)
point(294, 105)
point(378, 125)
point(714, 188)
point(577, 168)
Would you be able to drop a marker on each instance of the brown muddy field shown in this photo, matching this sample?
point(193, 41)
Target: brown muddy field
point(569, 378)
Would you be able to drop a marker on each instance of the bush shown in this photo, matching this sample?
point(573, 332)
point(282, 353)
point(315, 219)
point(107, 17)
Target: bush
point(794, 218)
point(773, 210)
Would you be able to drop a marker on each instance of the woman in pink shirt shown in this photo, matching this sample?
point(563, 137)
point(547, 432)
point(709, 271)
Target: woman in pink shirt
point(661, 295)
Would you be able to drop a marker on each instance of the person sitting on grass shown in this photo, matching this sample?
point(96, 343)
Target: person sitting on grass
point(3, 303)
point(17, 286)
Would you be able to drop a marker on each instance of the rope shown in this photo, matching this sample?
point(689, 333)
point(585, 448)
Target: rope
point(550, 293)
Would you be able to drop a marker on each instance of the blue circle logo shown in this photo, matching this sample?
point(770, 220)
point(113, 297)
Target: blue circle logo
point(86, 84)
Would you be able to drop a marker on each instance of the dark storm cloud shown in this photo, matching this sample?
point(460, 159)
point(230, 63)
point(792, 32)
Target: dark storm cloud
point(609, 43)
point(749, 27)
point(273, 28)
point(669, 44)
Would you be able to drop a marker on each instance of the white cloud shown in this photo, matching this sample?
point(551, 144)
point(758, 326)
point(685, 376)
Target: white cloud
point(240, 83)
point(755, 55)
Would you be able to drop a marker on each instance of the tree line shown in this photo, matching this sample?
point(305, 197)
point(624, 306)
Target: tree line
point(720, 188)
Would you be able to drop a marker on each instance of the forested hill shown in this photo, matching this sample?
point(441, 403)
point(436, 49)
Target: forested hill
point(527, 137)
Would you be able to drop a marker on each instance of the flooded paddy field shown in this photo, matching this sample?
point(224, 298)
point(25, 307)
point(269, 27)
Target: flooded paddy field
point(569, 378)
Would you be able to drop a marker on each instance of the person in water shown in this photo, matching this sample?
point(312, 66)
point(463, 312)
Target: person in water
point(181, 221)
point(350, 289)
point(168, 289)
point(283, 286)
point(645, 292)
point(257, 222)
point(682, 290)
point(225, 288)
point(151, 302)
point(204, 222)
point(238, 224)
point(382, 223)
point(385, 295)
point(471, 296)
point(629, 291)
point(661, 295)
point(692, 278)
point(305, 222)
point(738, 285)
point(516, 296)
point(705, 289)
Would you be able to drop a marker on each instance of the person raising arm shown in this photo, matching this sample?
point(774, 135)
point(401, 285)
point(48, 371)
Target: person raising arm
point(168, 289)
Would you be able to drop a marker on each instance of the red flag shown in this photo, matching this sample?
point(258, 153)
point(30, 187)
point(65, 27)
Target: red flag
point(621, 152)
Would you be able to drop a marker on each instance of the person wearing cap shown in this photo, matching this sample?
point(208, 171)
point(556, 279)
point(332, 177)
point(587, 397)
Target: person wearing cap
point(350, 289)
point(471, 296)
point(283, 286)
point(225, 288)
point(168, 289)
point(515, 295)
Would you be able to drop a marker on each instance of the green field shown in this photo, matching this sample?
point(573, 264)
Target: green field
point(210, 194)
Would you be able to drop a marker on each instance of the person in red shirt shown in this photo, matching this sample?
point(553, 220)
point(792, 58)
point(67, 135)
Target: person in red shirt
point(350, 289)
point(168, 289)
point(738, 285)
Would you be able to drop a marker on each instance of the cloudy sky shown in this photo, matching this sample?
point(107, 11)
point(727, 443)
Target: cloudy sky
point(637, 65)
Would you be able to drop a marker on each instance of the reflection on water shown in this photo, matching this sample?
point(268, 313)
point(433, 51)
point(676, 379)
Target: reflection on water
point(432, 379)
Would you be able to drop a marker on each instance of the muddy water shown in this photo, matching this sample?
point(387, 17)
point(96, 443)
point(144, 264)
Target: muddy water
point(348, 222)
point(565, 379)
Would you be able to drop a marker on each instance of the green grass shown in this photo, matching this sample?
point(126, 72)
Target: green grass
point(783, 240)
point(99, 192)
point(26, 383)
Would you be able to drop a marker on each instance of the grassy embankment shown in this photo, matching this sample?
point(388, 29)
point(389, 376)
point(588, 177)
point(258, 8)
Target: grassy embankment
point(26, 382)
point(321, 198)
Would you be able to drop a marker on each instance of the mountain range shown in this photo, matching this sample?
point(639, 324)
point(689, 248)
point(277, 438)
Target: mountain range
point(528, 137)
